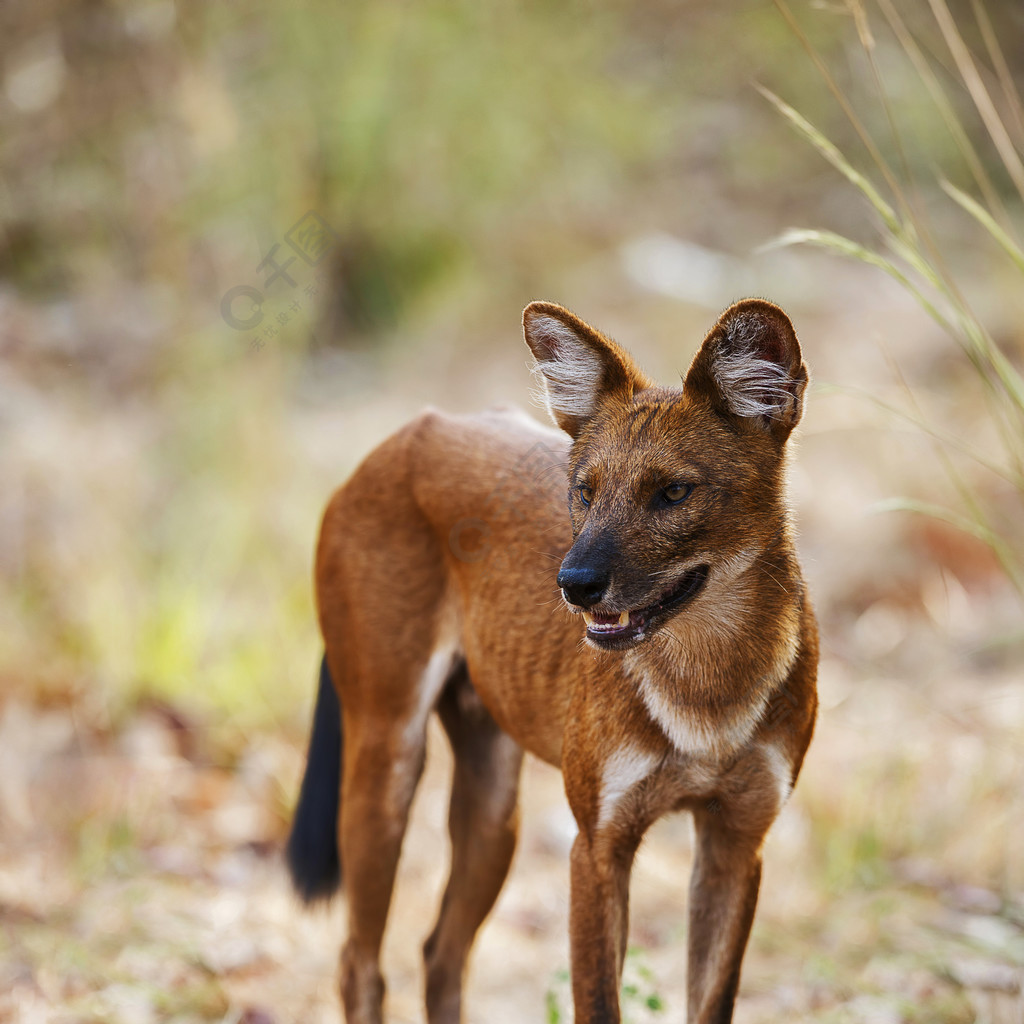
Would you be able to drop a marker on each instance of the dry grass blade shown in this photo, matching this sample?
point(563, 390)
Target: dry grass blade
point(943, 437)
point(918, 263)
point(987, 221)
point(834, 156)
point(982, 100)
point(851, 114)
point(946, 110)
point(1002, 69)
point(979, 530)
point(833, 242)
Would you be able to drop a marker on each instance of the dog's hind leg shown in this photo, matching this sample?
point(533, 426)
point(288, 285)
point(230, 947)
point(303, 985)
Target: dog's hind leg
point(391, 644)
point(482, 823)
point(383, 761)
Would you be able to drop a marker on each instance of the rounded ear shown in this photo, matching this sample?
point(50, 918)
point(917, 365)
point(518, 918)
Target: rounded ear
point(579, 368)
point(750, 368)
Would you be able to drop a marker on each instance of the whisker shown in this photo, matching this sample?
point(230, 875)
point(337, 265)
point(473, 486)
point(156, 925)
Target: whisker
point(546, 554)
point(774, 579)
point(667, 638)
point(661, 572)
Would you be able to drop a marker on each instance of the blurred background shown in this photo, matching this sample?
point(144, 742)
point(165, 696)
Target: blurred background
point(240, 243)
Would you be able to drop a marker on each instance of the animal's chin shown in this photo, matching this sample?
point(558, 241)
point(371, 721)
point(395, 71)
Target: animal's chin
point(622, 630)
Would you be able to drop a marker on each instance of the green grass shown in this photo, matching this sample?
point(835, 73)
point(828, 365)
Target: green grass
point(640, 999)
point(185, 572)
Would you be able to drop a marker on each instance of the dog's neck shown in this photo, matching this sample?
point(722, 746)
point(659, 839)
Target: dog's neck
point(708, 676)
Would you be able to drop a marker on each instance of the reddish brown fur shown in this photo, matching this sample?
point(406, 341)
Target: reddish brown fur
point(436, 579)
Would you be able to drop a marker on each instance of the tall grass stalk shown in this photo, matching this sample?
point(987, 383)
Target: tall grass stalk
point(911, 249)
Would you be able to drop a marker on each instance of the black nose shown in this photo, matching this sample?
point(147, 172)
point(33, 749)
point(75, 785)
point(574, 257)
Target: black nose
point(583, 586)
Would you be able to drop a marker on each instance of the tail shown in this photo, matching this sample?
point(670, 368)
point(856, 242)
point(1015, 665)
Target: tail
point(312, 850)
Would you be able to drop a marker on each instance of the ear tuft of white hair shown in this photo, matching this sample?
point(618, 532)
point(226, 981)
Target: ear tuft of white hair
point(572, 375)
point(753, 386)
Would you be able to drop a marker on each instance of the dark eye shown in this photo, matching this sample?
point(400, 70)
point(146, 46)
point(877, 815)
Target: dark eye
point(586, 494)
point(675, 494)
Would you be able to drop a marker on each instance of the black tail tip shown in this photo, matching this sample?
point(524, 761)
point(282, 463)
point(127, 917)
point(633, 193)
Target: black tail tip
point(315, 872)
point(312, 850)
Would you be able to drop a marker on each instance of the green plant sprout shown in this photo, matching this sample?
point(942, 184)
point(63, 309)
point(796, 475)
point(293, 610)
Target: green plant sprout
point(641, 1001)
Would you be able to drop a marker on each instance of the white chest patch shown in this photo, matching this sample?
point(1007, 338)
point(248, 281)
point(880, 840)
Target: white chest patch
point(624, 769)
point(690, 733)
point(687, 735)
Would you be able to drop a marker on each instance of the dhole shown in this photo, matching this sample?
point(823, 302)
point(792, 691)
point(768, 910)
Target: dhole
point(438, 574)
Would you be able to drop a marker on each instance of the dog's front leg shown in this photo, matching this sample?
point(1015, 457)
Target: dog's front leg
point(598, 923)
point(609, 763)
point(723, 895)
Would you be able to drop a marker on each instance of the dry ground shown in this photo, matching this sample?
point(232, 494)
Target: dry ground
point(144, 885)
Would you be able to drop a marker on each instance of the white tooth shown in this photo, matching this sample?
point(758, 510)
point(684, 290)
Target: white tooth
point(588, 618)
point(624, 618)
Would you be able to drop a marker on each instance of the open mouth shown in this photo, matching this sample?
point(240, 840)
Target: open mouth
point(616, 631)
